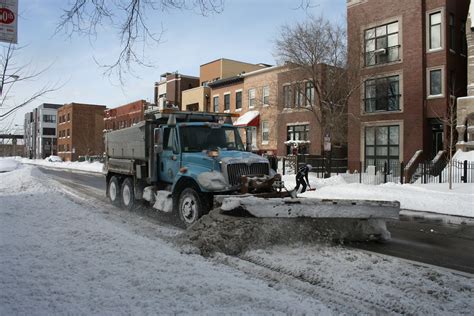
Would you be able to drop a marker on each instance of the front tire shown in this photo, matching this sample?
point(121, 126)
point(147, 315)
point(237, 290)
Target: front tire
point(113, 191)
point(190, 206)
point(127, 195)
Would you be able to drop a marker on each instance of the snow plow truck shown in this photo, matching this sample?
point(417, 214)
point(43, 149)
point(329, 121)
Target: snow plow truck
point(191, 162)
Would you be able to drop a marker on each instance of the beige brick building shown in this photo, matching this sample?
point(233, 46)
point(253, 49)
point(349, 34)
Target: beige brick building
point(199, 98)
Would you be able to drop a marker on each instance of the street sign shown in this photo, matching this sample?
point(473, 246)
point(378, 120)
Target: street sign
point(9, 21)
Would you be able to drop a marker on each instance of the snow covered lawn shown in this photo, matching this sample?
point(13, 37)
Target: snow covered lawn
point(95, 167)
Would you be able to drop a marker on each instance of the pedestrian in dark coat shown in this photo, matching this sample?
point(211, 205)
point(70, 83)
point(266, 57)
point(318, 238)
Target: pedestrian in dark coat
point(302, 178)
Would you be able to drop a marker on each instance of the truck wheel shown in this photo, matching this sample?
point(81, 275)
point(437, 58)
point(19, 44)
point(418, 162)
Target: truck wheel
point(127, 194)
point(113, 191)
point(190, 206)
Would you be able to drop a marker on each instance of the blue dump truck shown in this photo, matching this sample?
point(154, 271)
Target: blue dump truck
point(178, 161)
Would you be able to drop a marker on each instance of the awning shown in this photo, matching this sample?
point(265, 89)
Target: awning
point(251, 118)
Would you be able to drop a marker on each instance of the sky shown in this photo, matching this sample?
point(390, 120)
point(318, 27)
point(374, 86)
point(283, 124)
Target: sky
point(244, 31)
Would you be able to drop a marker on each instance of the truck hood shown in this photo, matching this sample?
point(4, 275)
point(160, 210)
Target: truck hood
point(229, 157)
point(225, 157)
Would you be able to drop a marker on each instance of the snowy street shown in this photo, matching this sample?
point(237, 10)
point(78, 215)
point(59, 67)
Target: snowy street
point(63, 252)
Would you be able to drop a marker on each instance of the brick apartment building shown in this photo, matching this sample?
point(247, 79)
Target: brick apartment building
point(199, 98)
point(80, 130)
point(412, 59)
point(170, 87)
point(125, 115)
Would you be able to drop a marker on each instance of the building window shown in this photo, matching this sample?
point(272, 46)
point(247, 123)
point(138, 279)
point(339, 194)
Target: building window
point(265, 132)
point(382, 145)
point(287, 96)
point(49, 118)
point(452, 33)
point(67, 147)
point(238, 100)
point(266, 95)
point(68, 117)
point(68, 132)
point(435, 82)
point(463, 38)
point(299, 95)
point(251, 98)
point(435, 30)
point(297, 137)
point(382, 94)
point(49, 131)
point(309, 93)
point(226, 102)
point(382, 44)
point(216, 103)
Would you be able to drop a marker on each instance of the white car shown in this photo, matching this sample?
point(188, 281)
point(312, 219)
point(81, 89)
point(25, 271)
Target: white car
point(54, 159)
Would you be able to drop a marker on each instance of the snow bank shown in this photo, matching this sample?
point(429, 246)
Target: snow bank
point(434, 198)
point(7, 164)
point(464, 155)
point(71, 165)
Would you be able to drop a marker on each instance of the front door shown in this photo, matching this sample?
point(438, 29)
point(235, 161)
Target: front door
point(437, 143)
point(169, 158)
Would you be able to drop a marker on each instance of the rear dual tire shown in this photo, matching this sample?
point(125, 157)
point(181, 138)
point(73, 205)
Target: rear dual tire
point(122, 195)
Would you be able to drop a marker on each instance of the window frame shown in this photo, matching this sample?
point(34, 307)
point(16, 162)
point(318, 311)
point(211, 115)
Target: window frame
point(388, 145)
point(375, 39)
point(238, 100)
point(265, 132)
point(287, 104)
point(227, 102)
point(452, 32)
point(428, 26)
point(378, 84)
point(266, 95)
point(251, 97)
point(442, 82)
point(215, 103)
point(309, 86)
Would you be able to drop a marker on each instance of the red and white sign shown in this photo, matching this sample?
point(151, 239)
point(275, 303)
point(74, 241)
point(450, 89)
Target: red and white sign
point(8, 21)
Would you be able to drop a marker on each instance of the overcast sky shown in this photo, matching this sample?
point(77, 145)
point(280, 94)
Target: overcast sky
point(244, 31)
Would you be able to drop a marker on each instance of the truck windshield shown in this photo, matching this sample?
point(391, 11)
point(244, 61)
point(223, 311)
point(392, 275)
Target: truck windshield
point(199, 138)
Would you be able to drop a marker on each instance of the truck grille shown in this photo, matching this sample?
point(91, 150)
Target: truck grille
point(235, 171)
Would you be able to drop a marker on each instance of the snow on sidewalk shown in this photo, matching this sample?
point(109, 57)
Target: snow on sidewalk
point(58, 257)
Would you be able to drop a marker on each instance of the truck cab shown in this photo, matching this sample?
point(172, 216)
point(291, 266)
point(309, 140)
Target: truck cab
point(191, 156)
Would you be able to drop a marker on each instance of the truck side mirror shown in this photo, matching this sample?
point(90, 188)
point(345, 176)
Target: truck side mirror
point(158, 140)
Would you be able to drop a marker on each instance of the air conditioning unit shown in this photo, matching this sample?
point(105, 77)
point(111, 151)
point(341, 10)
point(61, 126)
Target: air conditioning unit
point(380, 51)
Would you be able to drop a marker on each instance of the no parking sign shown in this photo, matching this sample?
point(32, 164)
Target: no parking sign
point(8, 21)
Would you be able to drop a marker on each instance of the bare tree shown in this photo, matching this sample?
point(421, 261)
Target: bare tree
point(12, 73)
point(130, 18)
point(317, 51)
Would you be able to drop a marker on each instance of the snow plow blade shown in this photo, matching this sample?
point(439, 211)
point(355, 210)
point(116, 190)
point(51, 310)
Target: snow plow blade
point(311, 207)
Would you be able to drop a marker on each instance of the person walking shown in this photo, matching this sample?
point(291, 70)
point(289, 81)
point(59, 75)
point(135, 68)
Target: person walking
point(302, 178)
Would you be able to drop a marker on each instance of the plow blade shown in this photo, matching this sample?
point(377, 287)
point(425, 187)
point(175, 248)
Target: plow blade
point(311, 207)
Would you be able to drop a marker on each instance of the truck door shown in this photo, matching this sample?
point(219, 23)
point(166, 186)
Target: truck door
point(169, 158)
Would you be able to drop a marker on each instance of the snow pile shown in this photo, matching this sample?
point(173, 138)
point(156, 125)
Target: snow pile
point(464, 155)
point(7, 164)
point(163, 201)
point(95, 167)
point(19, 181)
point(233, 235)
point(434, 197)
